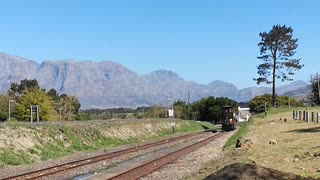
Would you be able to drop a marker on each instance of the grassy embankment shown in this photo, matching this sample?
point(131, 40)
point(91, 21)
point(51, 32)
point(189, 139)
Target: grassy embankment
point(22, 143)
point(296, 149)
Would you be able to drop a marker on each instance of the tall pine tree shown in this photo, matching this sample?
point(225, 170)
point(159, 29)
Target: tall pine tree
point(277, 47)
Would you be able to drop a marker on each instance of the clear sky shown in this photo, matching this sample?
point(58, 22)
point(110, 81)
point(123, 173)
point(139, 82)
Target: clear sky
point(200, 40)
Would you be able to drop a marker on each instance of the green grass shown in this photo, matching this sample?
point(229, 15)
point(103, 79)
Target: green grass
point(243, 129)
point(82, 138)
point(52, 151)
point(187, 126)
point(273, 111)
point(8, 157)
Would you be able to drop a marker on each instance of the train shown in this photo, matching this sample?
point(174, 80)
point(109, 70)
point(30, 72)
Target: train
point(228, 118)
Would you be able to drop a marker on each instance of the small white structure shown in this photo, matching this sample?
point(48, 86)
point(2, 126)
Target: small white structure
point(170, 113)
point(243, 114)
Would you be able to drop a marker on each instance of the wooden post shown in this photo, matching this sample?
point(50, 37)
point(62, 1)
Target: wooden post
point(304, 116)
point(300, 115)
point(37, 113)
point(312, 116)
point(293, 115)
point(318, 117)
point(31, 114)
point(307, 116)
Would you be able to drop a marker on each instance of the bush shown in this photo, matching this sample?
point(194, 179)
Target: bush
point(3, 116)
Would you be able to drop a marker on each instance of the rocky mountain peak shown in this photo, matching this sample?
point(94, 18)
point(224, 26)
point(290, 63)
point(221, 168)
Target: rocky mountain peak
point(109, 84)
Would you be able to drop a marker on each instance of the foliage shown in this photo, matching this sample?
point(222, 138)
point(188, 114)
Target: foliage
point(276, 49)
point(257, 104)
point(3, 116)
point(82, 116)
point(240, 134)
point(53, 94)
point(208, 109)
point(16, 89)
point(110, 113)
point(156, 112)
point(122, 115)
point(70, 106)
point(12, 158)
point(28, 93)
point(35, 97)
point(4, 104)
point(181, 110)
point(315, 98)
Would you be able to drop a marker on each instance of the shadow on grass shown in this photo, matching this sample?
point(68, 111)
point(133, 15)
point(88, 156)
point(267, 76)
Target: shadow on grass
point(250, 171)
point(204, 127)
point(207, 129)
point(306, 130)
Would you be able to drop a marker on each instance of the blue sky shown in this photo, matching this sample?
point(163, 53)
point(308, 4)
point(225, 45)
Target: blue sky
point(200, 40)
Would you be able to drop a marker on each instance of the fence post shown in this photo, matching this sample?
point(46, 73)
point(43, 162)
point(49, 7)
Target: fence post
point(304, 116)
point(317, 117)
point(312, 116)
point(300, 115)
point(293, 115)
point(307, 116)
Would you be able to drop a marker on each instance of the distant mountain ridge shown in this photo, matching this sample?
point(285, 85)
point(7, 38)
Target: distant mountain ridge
point(109, 84)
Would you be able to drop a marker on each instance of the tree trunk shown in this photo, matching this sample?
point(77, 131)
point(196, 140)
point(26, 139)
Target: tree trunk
point(274, 83)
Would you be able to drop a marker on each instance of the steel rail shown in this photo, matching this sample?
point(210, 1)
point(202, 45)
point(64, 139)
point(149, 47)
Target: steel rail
point(75, 164)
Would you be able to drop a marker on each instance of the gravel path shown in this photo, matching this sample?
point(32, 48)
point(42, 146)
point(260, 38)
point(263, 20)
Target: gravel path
point(191, 163)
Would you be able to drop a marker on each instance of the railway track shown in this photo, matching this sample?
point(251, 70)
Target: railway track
point(144, 169)
point(45, 172)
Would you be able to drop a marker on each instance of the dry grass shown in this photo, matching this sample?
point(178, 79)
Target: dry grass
point(297, 143)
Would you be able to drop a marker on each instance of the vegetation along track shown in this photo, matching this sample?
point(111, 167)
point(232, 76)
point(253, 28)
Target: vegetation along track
point(153, 165)
point(79, 163)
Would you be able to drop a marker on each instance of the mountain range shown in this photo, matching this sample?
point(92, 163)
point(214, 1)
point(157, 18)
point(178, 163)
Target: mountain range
point(109, 84)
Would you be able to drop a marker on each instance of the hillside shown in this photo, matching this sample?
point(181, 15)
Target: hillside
point(109, 84)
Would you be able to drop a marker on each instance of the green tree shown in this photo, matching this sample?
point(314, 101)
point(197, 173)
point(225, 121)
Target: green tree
point(156, 112)
point(70, 106)
point(53, 94)
point(208, 109)
point(258, 103)
point(4, 107)
point(276, 49)
point(180, 110)
point(315, 97)
point(16, 89)
point(35, 96)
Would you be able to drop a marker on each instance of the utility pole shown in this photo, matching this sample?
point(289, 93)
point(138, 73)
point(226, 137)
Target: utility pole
point(265, 108)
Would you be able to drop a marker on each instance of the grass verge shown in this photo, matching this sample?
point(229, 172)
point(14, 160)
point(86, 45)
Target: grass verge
point(57, 141)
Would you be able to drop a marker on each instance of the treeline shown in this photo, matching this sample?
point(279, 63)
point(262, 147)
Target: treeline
point(315, 84)
point(21, 96)
point(205, 109)
point(113, 113)
point(261, 103)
